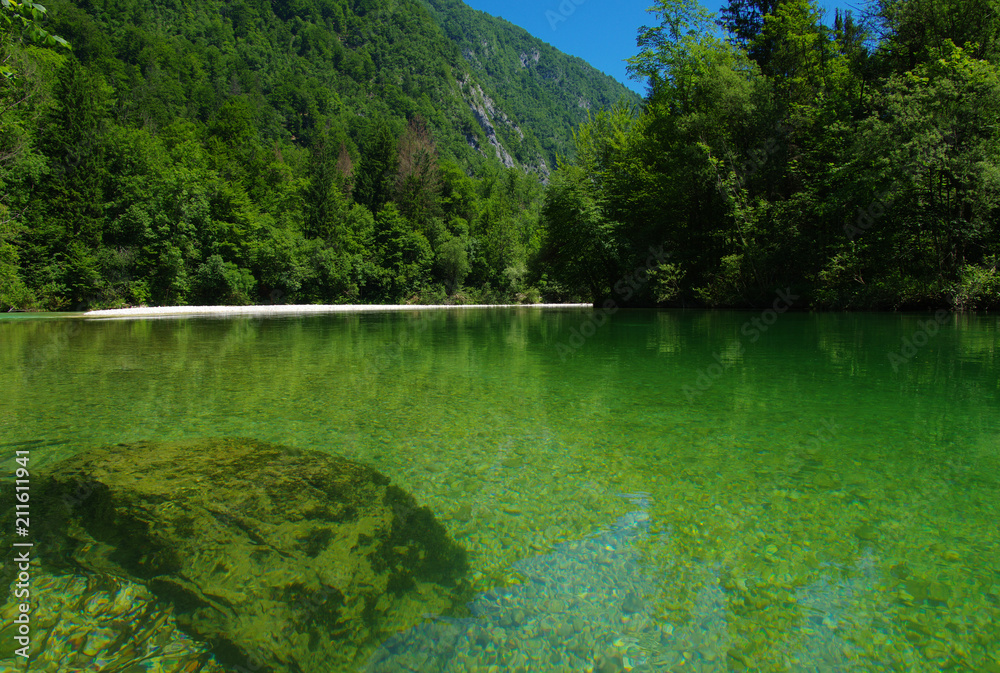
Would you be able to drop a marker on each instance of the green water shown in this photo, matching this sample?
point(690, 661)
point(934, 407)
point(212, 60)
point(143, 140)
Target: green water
point(815, 503)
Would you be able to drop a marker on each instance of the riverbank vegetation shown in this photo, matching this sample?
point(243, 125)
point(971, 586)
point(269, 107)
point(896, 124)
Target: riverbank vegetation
point(855, 164)
point(335, 151)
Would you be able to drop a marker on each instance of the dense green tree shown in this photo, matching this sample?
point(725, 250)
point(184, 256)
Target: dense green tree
point(928, 195)
point(378, 166)
point(220, 282)
point(325, 206)
point(65, 230)
point(581, 239)
point(13, 291)
point(452, 261)
point(27, 17)
point(238, 151)
point(916, 29)
point(326, 151)
point(506, 231)
point(418, 184)
point(800, 51)
point(404, 256)
point(744, 20)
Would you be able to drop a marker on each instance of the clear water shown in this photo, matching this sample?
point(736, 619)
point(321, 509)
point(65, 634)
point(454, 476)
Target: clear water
point(663, 491)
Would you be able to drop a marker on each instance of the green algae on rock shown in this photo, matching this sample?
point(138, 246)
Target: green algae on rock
point(280, 559)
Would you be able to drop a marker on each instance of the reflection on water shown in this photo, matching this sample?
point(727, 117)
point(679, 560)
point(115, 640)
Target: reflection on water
point(812, 509)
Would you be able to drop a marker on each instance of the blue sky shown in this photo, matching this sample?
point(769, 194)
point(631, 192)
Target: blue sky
point(601, 32)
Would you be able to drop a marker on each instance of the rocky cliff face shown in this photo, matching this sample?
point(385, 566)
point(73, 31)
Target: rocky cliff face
point(526, 96)
point(489, 117)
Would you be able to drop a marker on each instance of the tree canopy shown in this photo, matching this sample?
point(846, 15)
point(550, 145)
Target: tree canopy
point(856, 164)
point(348, 151)
point(237, 152)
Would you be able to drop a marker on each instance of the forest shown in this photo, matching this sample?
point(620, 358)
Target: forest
point(300, 151)
point(335, 151)
point(854, 165)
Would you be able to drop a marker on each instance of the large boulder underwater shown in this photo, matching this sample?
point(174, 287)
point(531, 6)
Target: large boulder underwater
point(279, 559)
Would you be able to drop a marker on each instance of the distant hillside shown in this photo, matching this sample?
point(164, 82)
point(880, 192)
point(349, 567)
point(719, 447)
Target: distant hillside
point(302, 65)
point(482, 83)
point(548, 92)
point(233, 151)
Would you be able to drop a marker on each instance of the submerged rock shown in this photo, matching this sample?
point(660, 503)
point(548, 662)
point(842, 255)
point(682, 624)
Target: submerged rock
point(281, 560)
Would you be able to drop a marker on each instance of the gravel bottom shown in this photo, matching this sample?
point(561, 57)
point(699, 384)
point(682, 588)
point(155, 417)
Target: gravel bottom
point(589, 605)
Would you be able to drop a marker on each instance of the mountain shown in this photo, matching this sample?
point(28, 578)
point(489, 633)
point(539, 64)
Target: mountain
point(229, 151)
point(548, 92)
point(479, 80)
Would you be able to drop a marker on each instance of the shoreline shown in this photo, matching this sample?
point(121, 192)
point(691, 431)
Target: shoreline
point(295, 309)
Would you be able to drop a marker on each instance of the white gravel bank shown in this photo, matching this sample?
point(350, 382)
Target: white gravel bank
point(291, 309)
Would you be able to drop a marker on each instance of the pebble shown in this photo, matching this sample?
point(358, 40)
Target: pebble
point(935, 651)
point(867, 533)
point(89, 614)
point(939, 592)
point(608, 665)
point(632, 603)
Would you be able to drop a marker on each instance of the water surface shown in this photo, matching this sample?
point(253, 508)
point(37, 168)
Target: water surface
point(664, 490)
